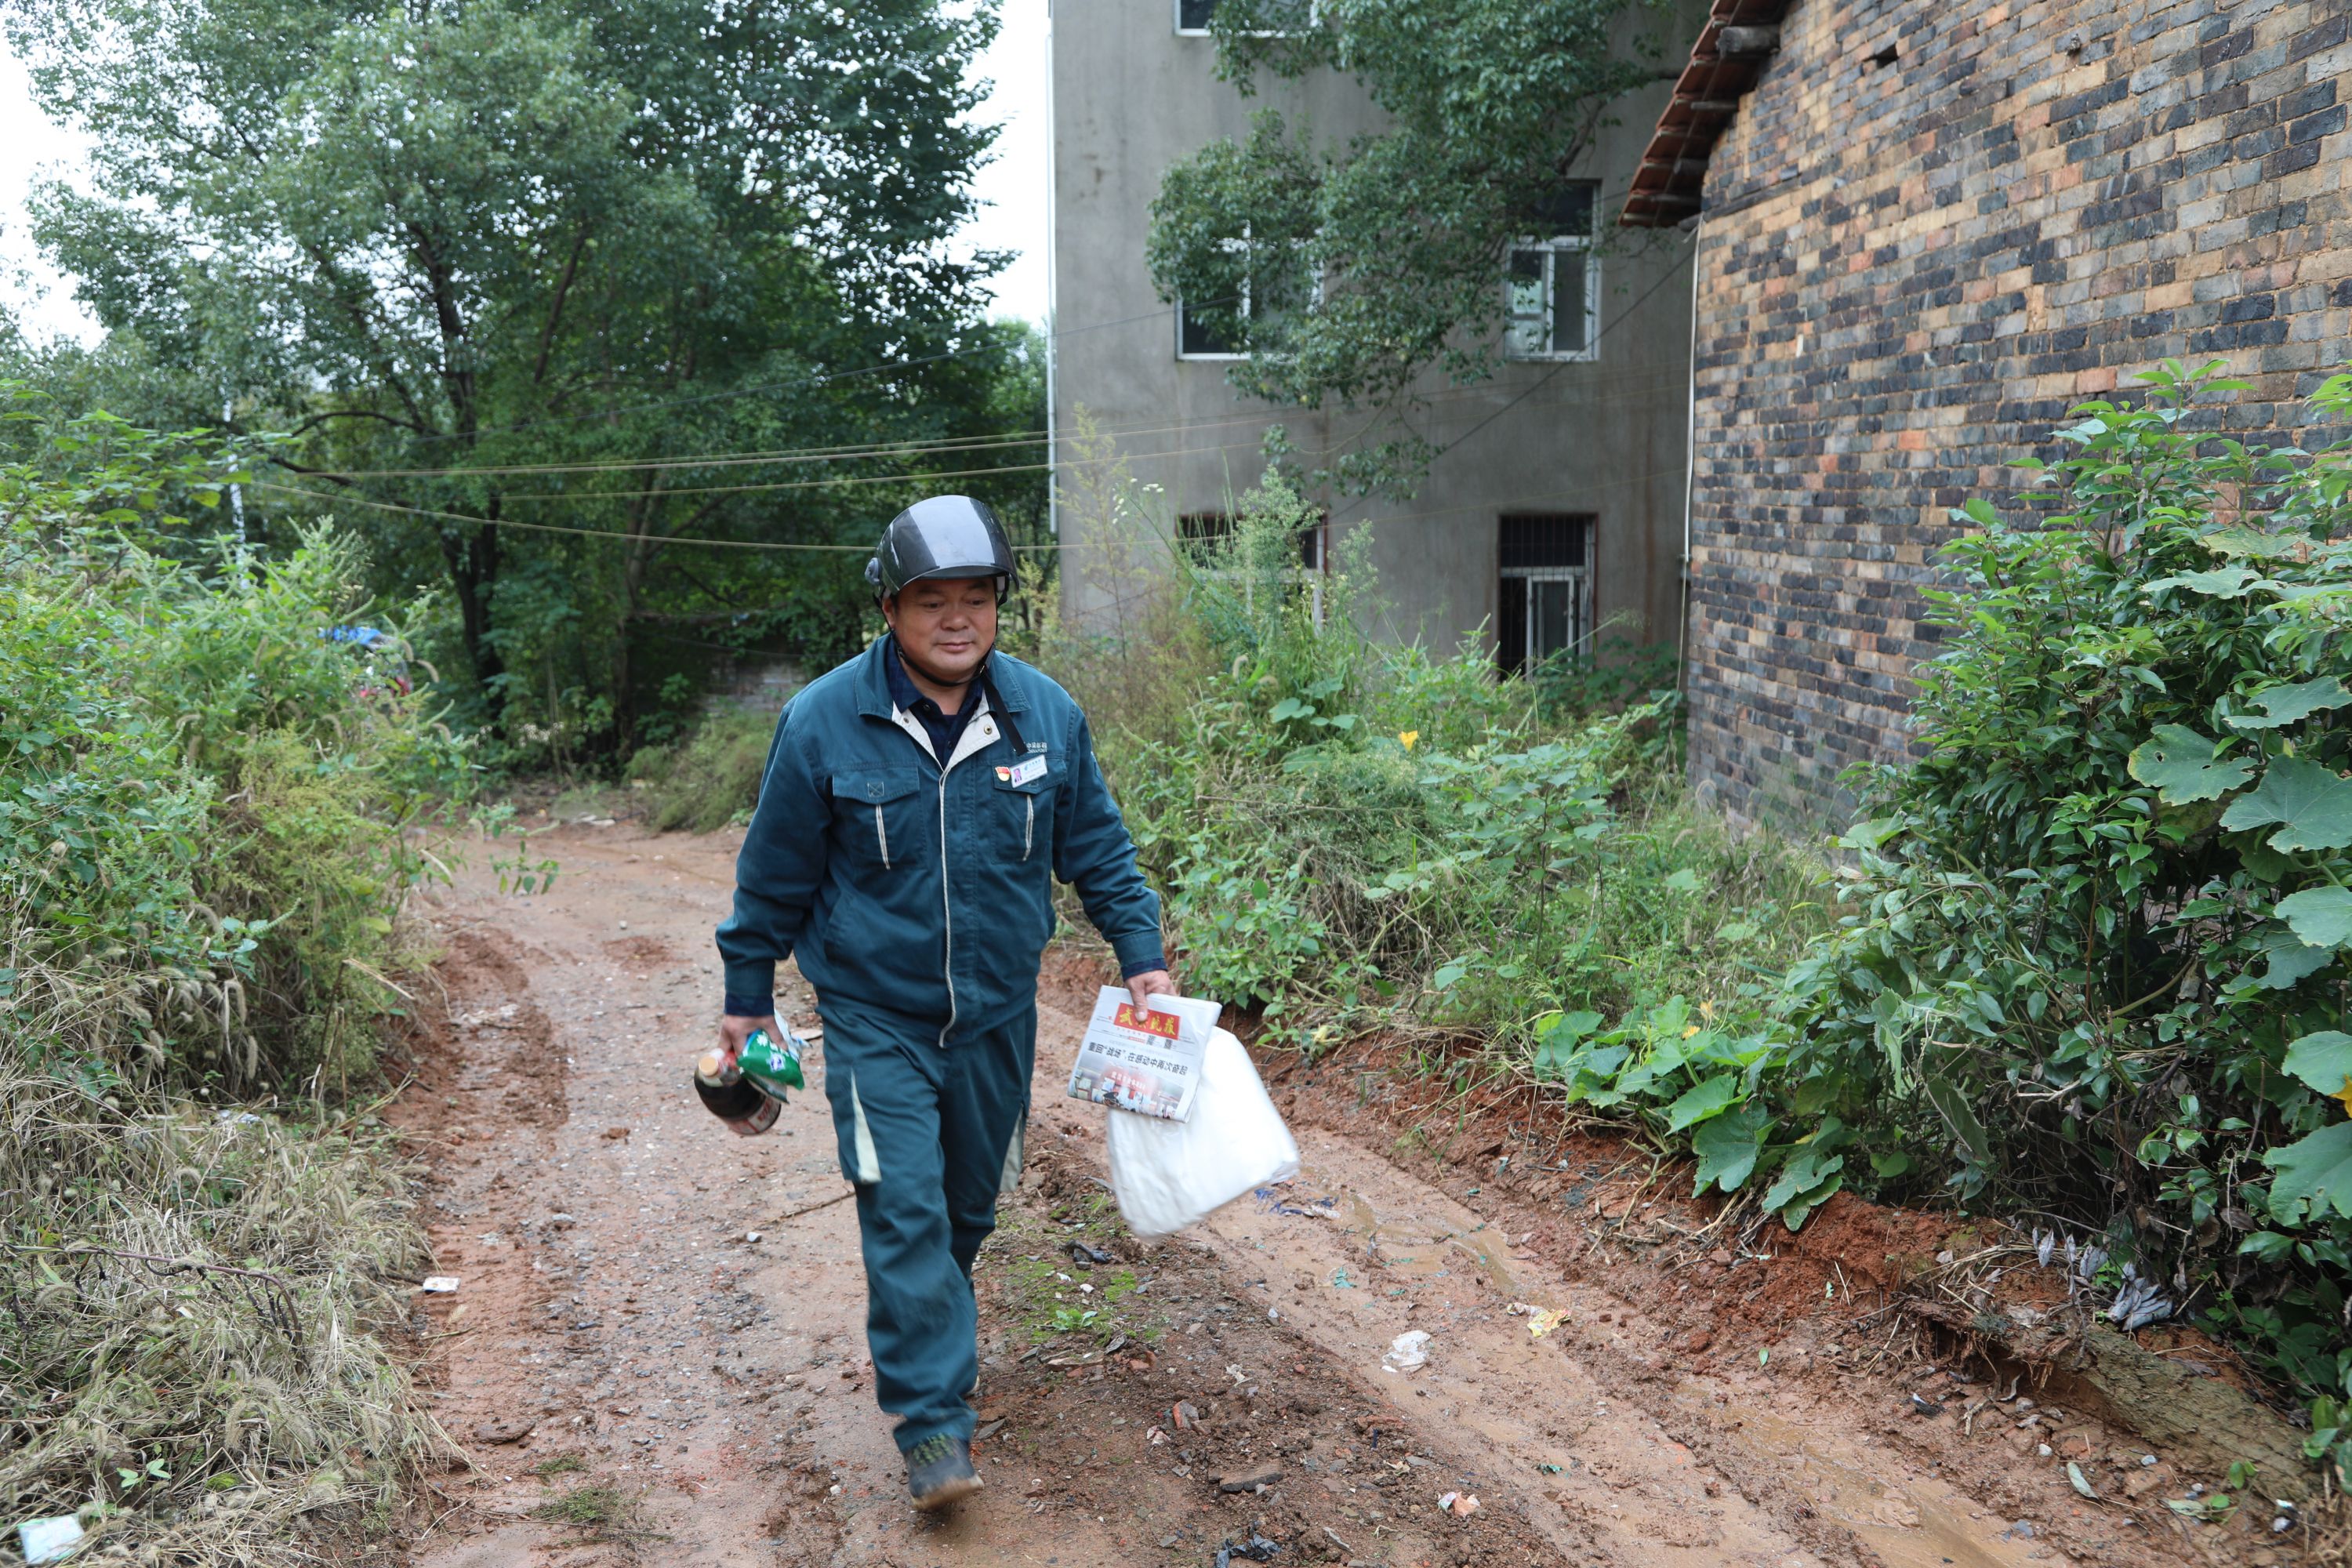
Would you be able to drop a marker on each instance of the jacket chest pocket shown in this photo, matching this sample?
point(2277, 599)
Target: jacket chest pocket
point(1024, 815)
point(880, 816)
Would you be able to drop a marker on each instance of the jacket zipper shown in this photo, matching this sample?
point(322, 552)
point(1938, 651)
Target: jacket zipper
point(880, 836)
point(947, 912)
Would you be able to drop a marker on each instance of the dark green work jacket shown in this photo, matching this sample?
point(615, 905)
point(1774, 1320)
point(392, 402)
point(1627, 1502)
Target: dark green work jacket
point(921, 884)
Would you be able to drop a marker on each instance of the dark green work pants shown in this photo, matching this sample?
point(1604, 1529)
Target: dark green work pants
point(929, 1133)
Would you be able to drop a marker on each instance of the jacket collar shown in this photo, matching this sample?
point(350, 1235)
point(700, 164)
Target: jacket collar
point(874, 680)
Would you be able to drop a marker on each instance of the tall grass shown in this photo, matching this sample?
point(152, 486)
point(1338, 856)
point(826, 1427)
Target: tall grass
point(206, 801)
point(190, 1357)
point(1356, 835)
point(708, 780)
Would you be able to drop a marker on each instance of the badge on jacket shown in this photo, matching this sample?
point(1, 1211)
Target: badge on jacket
point(1021, 772)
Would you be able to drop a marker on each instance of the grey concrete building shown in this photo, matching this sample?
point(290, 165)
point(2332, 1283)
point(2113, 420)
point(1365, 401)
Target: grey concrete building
point(1557, 507)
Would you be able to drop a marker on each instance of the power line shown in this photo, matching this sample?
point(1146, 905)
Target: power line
point(555, 526)
point(801, 383)
point(1655, 377)
point(780, 455)
point(1487, 505)
point(1664, 278)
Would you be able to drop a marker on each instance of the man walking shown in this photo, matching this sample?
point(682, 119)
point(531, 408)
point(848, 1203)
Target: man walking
point(918, 800)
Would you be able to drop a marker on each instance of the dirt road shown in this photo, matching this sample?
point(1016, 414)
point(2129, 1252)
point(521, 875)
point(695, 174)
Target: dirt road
point(656, 1353)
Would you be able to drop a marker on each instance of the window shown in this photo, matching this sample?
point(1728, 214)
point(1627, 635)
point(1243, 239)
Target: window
point(1203, 528)
point(1197, 530)
point(1293, 16)
point(1552, 281)
point(1267, 292)
point(1546, 600)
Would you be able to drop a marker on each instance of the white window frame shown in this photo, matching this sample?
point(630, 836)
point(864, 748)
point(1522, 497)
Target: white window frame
point(1579, 617)
point(1231, 248)
point(1309, 572)
point(1551, 250)
point(1176, 13)
point(1237, 248)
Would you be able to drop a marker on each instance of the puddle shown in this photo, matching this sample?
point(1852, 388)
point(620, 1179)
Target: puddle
point(1373, 1251)
point(1919, 1525)
point(1400, 1242)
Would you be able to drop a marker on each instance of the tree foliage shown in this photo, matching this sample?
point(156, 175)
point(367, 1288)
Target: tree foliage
point(1349, 271)
point(508, 266)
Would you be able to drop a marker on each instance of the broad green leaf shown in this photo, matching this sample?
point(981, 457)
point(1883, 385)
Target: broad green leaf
point(2254, 542)
point(2179, 762)
point(2324, 1061)
point(2322, 916)
point(1703, 1100)
point(1727, 1147)
point(2316, 1171)
point(1804, 1169)
point(1951, 1102)
point(2312, 806)
point(2288, 703)
point(1683, 881)
point(1805, 1182)
point(1886, 1167)
point(2290, 958)
point(1557, 1040)
point(2222, 582)
point(1892, 1028)
point(1290, 708)
point(1794, 1213)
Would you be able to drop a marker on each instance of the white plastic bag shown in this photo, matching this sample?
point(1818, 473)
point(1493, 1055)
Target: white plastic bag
point(1168, 1174)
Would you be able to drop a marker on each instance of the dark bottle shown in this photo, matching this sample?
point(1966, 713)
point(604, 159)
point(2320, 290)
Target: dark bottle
point(739, 1101)
point(748, 1094)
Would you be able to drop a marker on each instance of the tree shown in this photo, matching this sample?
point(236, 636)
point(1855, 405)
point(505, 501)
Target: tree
point(1347, 272)
point(508, 266)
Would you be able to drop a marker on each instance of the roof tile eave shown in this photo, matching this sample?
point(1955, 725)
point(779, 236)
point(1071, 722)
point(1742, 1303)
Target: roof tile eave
point(1685, 136)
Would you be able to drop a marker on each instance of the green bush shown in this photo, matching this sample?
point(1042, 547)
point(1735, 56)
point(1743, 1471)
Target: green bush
point(203, 796)
point(1351, 833)
point(711, 779)
point(2096, 958)
point(205, 805)
point(2092, 963)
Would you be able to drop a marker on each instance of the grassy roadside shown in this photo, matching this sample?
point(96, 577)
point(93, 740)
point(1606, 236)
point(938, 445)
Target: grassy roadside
point(204, 791)
point(2085, 961)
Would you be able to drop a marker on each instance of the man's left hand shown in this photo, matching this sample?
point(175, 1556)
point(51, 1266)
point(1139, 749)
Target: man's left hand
point(1143, 986)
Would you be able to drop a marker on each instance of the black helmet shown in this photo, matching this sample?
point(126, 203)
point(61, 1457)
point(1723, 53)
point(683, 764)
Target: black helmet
point(945, 536)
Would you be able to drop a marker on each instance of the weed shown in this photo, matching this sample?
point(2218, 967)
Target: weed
point(559, 1465)
point(205, 799)
point(189, 1322)
point(592, 1508)
point(712, 779)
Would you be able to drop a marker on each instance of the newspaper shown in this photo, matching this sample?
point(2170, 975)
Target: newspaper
point(1149, 1064)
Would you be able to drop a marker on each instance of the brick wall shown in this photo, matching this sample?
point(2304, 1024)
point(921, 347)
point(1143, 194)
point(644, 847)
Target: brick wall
point(1912, 265)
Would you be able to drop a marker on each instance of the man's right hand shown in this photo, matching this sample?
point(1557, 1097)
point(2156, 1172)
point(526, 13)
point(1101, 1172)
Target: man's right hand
point(733, 1030)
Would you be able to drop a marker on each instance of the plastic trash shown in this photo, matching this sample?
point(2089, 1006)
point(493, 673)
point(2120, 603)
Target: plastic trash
point(1168, 1174)
point(439, 1284)
point(48, 1540)
point(1408, 1352)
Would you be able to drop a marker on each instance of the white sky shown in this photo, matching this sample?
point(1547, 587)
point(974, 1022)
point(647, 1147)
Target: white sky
point(1013, 187)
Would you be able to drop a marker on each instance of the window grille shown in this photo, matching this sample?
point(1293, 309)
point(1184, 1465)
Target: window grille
point(1545, 602)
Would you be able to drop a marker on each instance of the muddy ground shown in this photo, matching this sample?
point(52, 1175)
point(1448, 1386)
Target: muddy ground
point(654, 1352)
